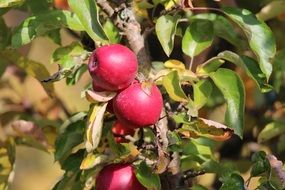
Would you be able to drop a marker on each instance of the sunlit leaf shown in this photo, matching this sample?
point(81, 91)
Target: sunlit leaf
point(88, 15)
point(248, 64)
point(174, 64)
point(10, 3)
point(263, 44)
point(91, 160)
point(68, 56)
point(198, 37)
point(202, 92)
point(172, 85)
point(191, 147)
point(270, 131)
point(222, 28)
point(41, 24)
point(165, 30)
point(234, 94)
point(112, 32)
point(95, 124)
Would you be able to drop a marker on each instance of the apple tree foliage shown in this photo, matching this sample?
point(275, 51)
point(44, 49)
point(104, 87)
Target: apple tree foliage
point(184, 143)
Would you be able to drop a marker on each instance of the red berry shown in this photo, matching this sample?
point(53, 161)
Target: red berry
point(119, 130)
point(113, 67)
point(138, 105)
point(118, 177)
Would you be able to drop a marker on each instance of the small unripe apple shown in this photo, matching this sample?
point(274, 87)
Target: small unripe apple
point(118, 177)
point(61, 4)
point(112, 67)
point(138, 105)
point(120, 130)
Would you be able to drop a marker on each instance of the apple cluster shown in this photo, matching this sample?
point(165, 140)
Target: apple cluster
point(137, 104)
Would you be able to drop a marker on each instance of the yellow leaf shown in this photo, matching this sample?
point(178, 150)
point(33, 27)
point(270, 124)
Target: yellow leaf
point(95, 124)
point(92, 160)
point(174, 64)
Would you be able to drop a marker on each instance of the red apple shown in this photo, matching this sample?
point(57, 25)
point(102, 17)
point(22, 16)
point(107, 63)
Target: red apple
point(61, 4)
point(118, 177)
point(138, 105)
point(112, 67)
point(120, 130)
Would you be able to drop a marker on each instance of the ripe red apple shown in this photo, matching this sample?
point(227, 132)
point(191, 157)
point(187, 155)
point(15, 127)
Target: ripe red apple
point(138, 105)
point(61, 4)
point(120, 130)
point(118, 177)
point(112, 67)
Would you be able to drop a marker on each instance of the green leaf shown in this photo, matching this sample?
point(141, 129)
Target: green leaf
point(68, 56)
point(5, 34)
point(202, 92)
point(37, 6)
point(146, 176)
point(68, 182)
point(76, 74)
point(32, 68)
point(271, 10)
point(118, 148)
point(41, 24)
point(54, 35)
point(270, 131)
point(73, 161)
point(10, 3)
point(112, 32)
point(198, 37)
point(261, 164)
point(231, 86)
point(222, 28)
point(248, 64)
point(165, 28)
point(95, 124)
point(71, 137)
point(191, 147)
point(234, 182)
point(259, 35)
point(87, 12)
point(279, 69)
point(73, 119)
point(172, 86)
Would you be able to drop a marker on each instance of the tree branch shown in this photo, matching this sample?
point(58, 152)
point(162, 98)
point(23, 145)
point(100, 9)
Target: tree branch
point(124, 18)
